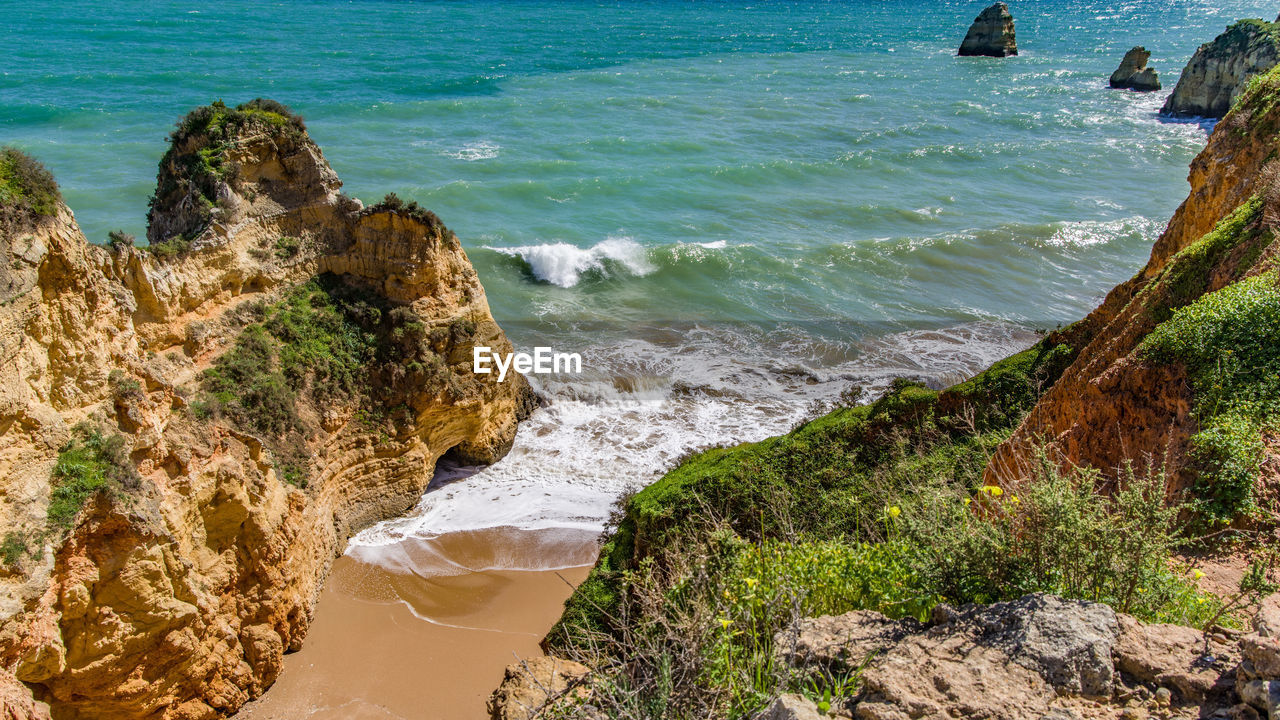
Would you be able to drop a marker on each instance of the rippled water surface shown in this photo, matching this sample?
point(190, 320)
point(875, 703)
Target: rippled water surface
point(731, 208)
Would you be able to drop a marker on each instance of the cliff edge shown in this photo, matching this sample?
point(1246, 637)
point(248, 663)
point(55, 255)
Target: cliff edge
point(1219, 71)
point(191, 430)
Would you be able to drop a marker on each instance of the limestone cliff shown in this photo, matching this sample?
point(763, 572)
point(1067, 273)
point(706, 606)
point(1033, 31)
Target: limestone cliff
point(991, 34)
point(1123, 398)
point(1219, 71)
point(176, 593)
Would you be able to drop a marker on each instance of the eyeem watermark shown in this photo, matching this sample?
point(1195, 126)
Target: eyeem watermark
point(544, 360)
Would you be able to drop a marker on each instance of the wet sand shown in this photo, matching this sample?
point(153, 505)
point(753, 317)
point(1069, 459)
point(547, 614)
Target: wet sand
point(424, 628)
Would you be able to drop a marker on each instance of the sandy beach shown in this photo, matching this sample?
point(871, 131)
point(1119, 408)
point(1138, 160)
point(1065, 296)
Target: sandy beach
point(425, 630)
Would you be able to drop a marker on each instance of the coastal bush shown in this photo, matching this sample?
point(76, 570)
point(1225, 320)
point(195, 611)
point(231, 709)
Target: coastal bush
point(118, 240)
point(693, 629)
point(28, 191)
point(393, 204)
point(288, 247)
point(195, 163)
point(1229, 342)
point(325, 343)
point(91, 463)
point(829, 478)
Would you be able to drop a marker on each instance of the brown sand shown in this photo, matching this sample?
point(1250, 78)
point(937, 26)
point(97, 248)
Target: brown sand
point(397, 639)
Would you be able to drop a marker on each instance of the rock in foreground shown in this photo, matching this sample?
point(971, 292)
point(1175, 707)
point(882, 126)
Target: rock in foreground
point(1036, 657)
point(1133, 73)
point(1220, 70)
point(991, 34)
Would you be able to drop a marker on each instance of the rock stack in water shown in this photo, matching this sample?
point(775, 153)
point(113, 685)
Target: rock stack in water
point(1133, 73)
point(1219, 71)
point(991, 34)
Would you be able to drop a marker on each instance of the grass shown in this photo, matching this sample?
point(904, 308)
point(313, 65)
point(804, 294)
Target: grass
point(28, 191)
point(93, 462)
point(1229, 342)
point(195, 163)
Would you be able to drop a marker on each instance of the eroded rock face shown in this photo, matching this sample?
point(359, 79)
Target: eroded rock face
point(1133, 73)
point(1219, 71)
point(991, 34)
point(181, 601)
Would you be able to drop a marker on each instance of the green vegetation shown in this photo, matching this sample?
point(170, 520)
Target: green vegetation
point(393, 204)
point(13, 548)
point(696, 621)
point(328, 344)
point(118, 240)
point(91, 463)
point(28, 191)
point(879, 507)
point(195, 163)
point(1187, 274)
point(1229, 342)
point(829, 478)
point(288, 247)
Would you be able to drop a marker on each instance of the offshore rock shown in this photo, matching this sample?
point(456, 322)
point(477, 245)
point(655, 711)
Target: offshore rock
point(1133, 73)
point(1219, 71)
point(991, 34)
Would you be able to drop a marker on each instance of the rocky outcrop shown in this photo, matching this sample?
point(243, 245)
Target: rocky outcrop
point(1133, 73)
point(176, 596)
point(1037, 657)
point(991, 34)
point(1220, 70)
point(530, 686)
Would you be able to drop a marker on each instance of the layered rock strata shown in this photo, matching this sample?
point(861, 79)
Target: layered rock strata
point(177, 595)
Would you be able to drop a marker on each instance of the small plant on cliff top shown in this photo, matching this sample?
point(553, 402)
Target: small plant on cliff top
point(1229, 342)
point(118, 240)
point(92, 462)
point(27, 190)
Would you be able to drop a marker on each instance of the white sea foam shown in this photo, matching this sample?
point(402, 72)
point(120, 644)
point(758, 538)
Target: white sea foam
point(646, 402)
point(471, 152)
point(563, 264)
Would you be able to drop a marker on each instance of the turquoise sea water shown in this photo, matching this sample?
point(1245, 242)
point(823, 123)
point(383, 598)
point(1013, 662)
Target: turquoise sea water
point(732, 207)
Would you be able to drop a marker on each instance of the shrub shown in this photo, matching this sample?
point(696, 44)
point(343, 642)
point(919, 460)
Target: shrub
point(118, 240)
point(1057, 533)
point(1229, 342)
point(288, 247)
point(13, 548)
point(91, 463)
point(393, 204)
point(28, 191)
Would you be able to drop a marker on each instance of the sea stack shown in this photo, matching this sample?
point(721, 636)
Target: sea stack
point(1133, 73)
point(991, 34)
point(1219, 71)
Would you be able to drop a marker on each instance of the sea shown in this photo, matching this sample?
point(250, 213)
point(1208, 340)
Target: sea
point(732, 209)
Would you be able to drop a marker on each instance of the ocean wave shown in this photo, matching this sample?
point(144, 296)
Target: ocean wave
point(471, 152)
point(649, 400)
point(565, 265)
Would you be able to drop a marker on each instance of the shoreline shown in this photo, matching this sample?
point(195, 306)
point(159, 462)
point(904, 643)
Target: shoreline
point(378, 625)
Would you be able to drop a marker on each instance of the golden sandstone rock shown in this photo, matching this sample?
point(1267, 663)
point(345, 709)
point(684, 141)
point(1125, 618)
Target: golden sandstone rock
point(180, 600)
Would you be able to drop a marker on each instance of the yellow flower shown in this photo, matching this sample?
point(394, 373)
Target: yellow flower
point(751, 582)
point(1014, 498)
point(725, 623)
point(1196, 574)
point(967, 501)
point(992, 490)
point(894, 511)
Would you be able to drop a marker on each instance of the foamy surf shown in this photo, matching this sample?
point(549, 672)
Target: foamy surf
point(646, 403)
point(563, 264)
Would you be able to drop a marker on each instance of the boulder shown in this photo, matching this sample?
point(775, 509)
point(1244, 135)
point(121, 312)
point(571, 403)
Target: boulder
point(1219, 71)
point(529, 686)
point(1133, 73)
point(991, 34)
